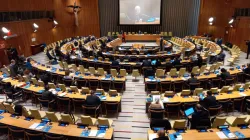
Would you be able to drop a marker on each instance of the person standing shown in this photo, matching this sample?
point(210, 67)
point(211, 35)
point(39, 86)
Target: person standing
point(123, 37)
point(161, 44)
point(248, 48)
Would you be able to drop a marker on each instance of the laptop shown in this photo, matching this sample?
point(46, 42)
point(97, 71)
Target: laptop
point(189, 111)
point(156, 129)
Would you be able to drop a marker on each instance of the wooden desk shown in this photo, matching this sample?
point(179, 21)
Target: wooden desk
point(141, 37)
point(195, 135)
point(70, 130)
point(35, 49)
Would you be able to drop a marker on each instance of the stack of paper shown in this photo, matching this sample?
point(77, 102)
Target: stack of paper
point(92, 133)
point(221, 135)
point(242, 94)
point(63, 94)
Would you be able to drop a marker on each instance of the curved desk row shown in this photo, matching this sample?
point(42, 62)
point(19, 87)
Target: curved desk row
point(210, 135)
point(68, 131)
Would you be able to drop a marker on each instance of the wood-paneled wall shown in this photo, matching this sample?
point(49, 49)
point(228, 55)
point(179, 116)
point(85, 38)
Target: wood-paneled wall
point(88, 22)
point(222, 11)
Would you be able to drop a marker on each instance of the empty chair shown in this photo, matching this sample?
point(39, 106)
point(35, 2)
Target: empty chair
point(53, 117)
point(74, 89)
point(218, 121)
point(2, 107)
point(88, 120)
point(246, 86)
point(77, 104)
point(198, 91)
point(112, 108)
point(34, 81)
point(61, 64)
point(92, 70)
point(15, 133)
point(169, 94)
point(214, 90)
point(74, 67)
point(34, 135)
point(119, 86)
point(211, 68)
point(165, 86)
point(182, 71)
point(104, 121)
point(185, 92)
point(202, 69)
point(135, 73)
point(113, 93)
point(36, 114)
point(9, 108)
point(62, 87)
point(155, 93)
point(85, 90)
point(234, 121)
point(123, 72)
point(173, 72)
point(195, 70)
point(156, 113)
point(113, 72)
point(41, 83)
point(101, 71)
point(179, 124)
point(151, 86)
point(82, 69)
point(52, 85)
point(93, 84)
point(81, 82)
point(224, 89)
point(68, 118)
point(236, 87)
point(66, 66)
point(160, 73)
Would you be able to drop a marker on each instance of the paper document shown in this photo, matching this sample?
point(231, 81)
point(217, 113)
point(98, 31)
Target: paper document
point(6, 79)
point(242, 94)
point(63, 94)
point(152, 136)
point(101, 135)
point(221, 135)
point(165, 100)
point(93, 133)
point(33, 126)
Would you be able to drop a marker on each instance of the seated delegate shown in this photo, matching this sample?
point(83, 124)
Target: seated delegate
point(93, 100)
point(198, 117)
point(209, 101)
point(224, 74)
point(161, 135)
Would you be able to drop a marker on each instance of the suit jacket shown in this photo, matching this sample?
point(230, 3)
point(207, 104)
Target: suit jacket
point(247, 71)
point(209, 102)
point(176, 62)
point(225, 75)
point(192, 80)
point(93, 100)
point(13, 70)
point(162, 138)
point(47, 95)
point(146, 63)
point(115, 63)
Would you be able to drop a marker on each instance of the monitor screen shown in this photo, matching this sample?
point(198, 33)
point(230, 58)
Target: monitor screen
point(140, 12)
point(189, 111)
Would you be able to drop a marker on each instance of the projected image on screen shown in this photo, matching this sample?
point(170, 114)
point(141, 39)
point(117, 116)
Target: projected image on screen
point(136, 12)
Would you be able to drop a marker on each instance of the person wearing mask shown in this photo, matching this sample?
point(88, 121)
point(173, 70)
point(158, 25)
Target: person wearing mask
point(209, 101)
point(161, 135)
point(13, 68)
point(248, 48)
point(48, 95)
point(93, 100)
point(200, 114)
point(224, 74)
point(28, 64)
point(156, 105)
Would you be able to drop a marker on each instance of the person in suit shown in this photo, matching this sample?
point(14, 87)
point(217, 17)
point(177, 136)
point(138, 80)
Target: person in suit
point(199, 115)
point(57, 51)
point(209, 101)
point(13, 68)
point(161, 44)
point(123, 37)
point(156, 105)
point(199, 60)
point(247, 70)
point(49, 55)
point(219, 41)
point(161, 135)
point(115, 63)
point(224, 74)
point(45, 78)
point(176, 61)
point(192, 80)
point(11, 89)
point(93, 100)
point(248, 48)
point(146, 63)
point(47, 95)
